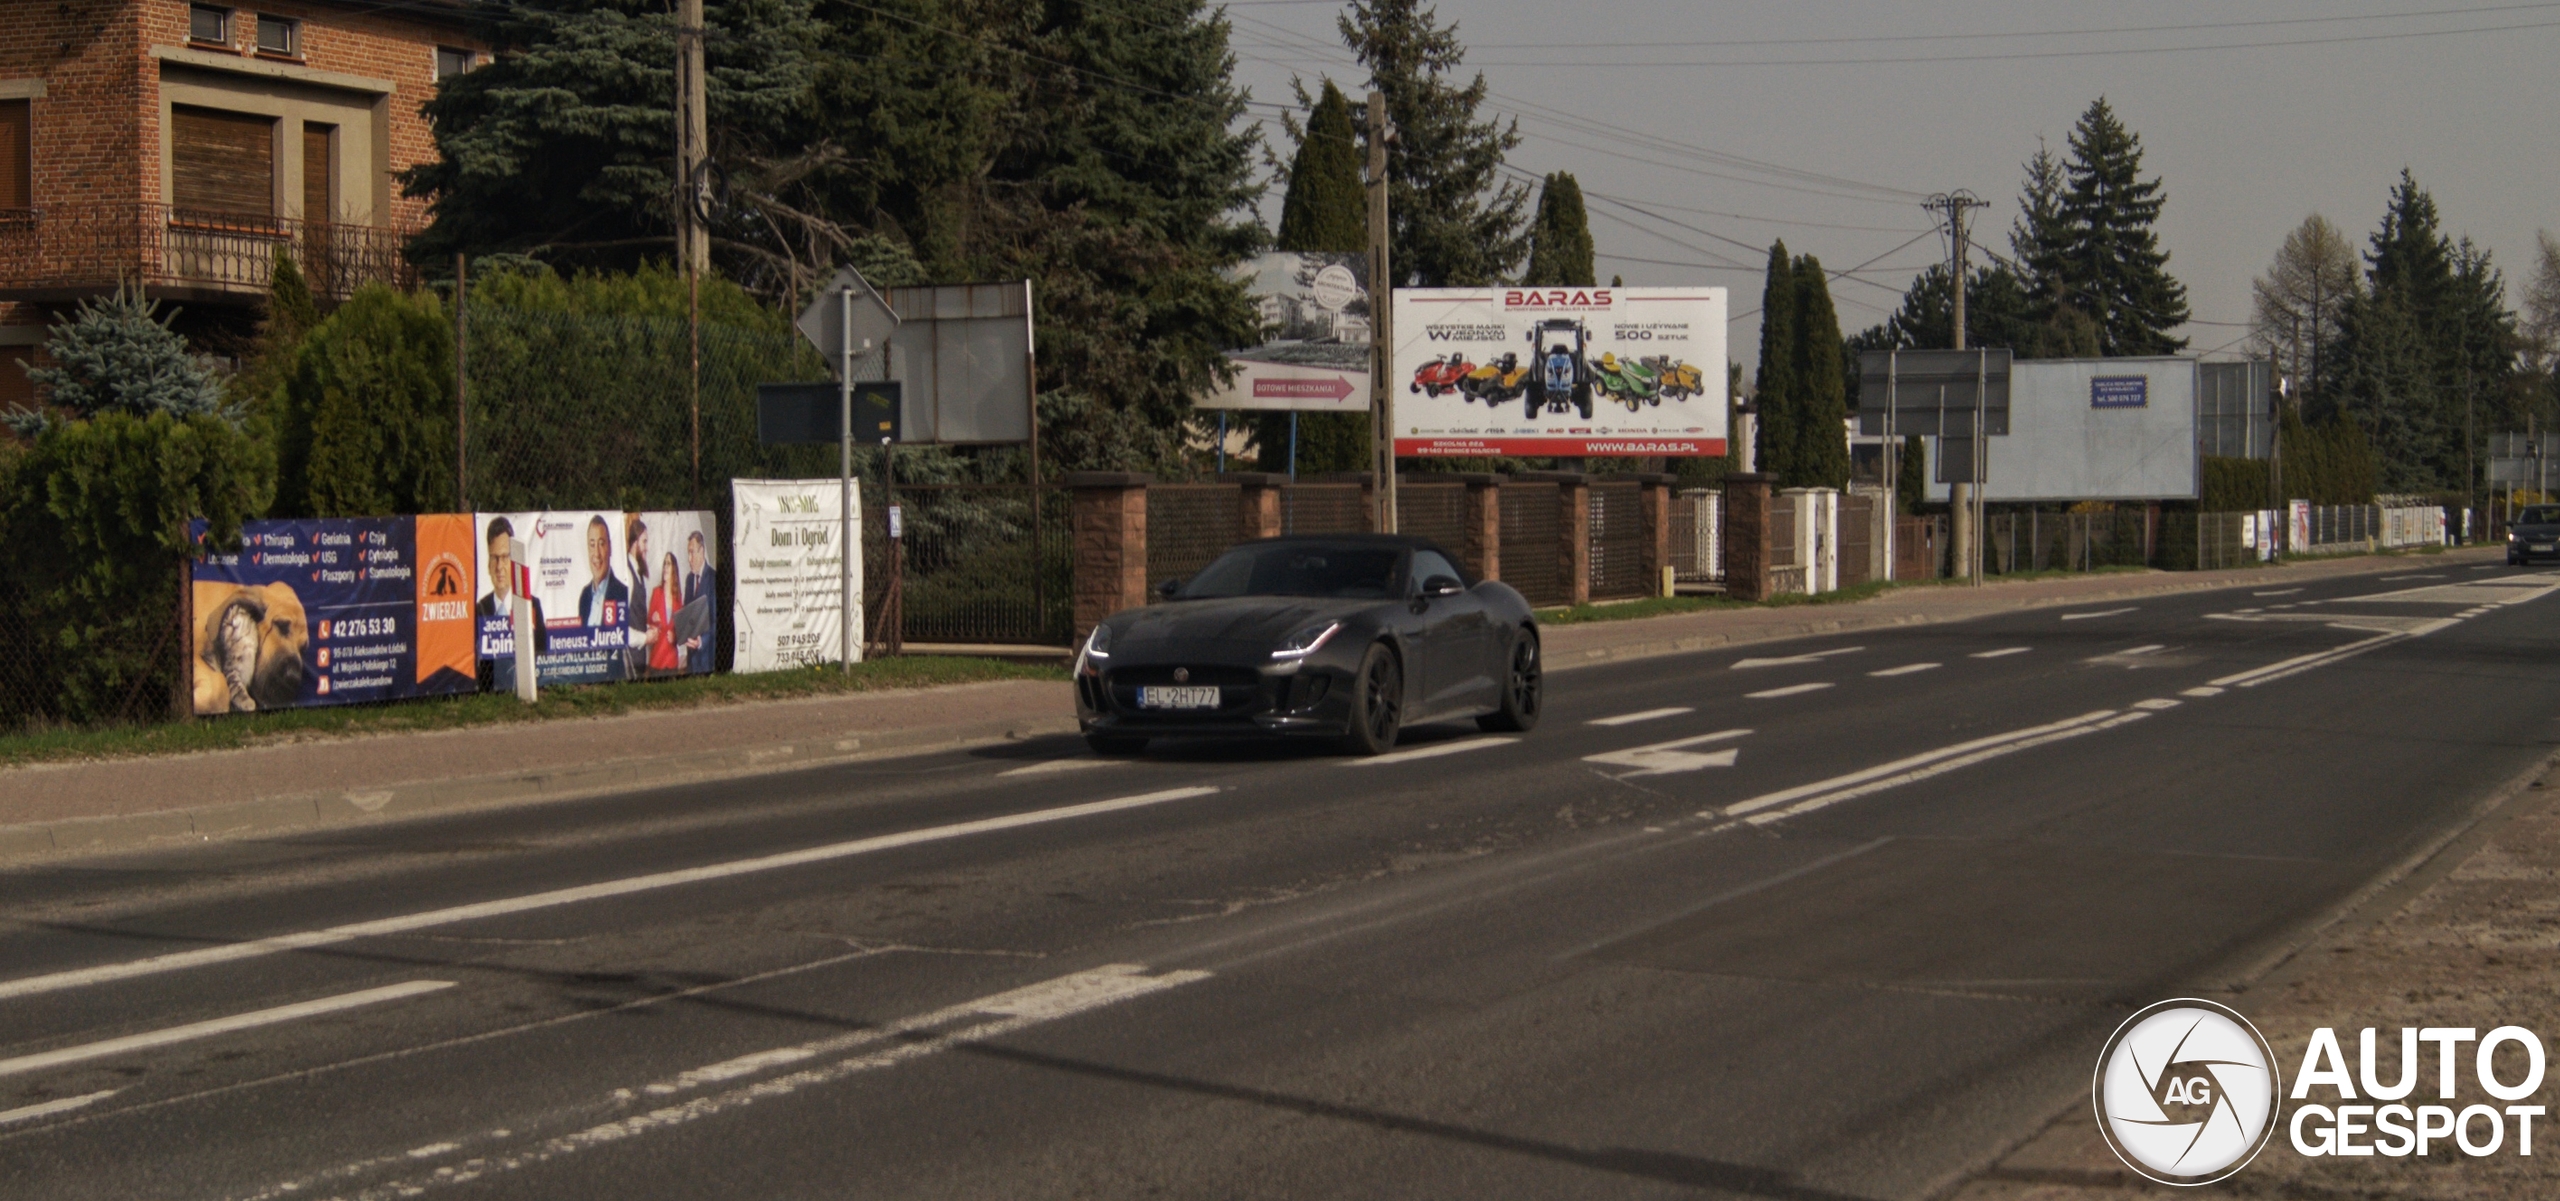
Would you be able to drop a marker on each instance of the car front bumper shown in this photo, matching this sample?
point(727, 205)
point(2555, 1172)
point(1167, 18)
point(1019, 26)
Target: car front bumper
point(1310, 699)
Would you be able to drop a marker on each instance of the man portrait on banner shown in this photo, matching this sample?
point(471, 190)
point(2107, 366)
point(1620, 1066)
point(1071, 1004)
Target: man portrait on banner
point(701, 597)
point(604, 601)
point(508, 580)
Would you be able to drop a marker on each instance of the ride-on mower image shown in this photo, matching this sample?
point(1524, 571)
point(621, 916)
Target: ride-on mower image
point(1678, 380)
point(1441, 375)
point(1498, 381)
point(1563, 379)
point(1626, 382)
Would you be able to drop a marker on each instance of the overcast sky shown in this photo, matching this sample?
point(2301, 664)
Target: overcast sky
point(2248, 138)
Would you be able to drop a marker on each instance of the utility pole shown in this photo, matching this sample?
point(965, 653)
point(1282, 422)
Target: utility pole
point(693, 238)
point(1382, 399)
point(1964, 497)
point(461, 384)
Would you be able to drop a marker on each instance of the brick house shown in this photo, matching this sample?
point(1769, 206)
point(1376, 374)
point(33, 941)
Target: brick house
point(184, 145)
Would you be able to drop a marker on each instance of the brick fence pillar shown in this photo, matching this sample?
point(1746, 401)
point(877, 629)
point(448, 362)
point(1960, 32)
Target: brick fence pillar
point(1655, 489)
point(1483, 541)
point(1746, 536)
point(1108, 517)
point(1260, 511)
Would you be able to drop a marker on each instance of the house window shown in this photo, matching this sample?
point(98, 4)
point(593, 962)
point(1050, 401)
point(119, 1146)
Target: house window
point(279, 35)
point(453, 60)
point(222, 165)
point(17, 159)
point(319, 163)
point(206, 23)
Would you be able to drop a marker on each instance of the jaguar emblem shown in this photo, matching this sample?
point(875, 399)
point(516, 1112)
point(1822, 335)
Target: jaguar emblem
point(1182, 675)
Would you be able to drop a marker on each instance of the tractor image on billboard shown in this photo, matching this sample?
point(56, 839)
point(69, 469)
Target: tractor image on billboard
point(1562, 380)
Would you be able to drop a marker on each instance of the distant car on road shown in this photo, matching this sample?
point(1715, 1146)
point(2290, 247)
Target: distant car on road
point(2535, 533)
point(1349, 636)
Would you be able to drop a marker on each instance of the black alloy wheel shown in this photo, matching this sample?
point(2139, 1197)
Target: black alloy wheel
point(1377, 703)
point(1523, 690)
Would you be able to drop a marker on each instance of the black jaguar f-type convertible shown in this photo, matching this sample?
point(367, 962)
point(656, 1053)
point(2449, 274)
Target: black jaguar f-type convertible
point(1351, 636)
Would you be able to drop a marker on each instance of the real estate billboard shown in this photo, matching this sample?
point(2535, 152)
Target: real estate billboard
point(1560, 371)
point(1314, 354)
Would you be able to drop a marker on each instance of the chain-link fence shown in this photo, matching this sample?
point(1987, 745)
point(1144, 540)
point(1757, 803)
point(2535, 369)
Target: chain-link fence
point(1323, 509)
point(1188, 525)
point(1434, 511)
point(1617, 542)
point(1533, 542)
point(980, 565)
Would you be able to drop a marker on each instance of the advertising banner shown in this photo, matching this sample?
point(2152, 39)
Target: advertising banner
point(1315, 350)
point(1560, 371)
point(675, 593)
point(789, 595)
point(332, 611)
point(574, 565)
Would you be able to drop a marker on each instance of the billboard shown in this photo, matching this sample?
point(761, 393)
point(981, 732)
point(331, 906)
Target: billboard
point(573, 564)
point(1314, 355)
point(963, 352)
point(674, 571)
point(2090, 429)
point(332, 611)
point(790, 595)
point(1560, 371)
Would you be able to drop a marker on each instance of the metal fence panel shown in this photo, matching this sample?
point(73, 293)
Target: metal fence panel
point(1617, 542)
point(1533, 543)
point(1434, 511)
point(972, 571)
point(1697, 536)
point(1188, 525)
point(1323, 509)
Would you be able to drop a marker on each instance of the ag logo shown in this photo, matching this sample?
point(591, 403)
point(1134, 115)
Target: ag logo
point(2186, 1092)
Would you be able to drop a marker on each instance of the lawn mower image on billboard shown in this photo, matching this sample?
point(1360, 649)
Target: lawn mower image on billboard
point(1563, 380)
point(1678, 380)
point(1442, 375)
point(1501, 380)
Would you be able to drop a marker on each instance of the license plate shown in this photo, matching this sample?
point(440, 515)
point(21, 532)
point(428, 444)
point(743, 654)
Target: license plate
point(2543, 548)
point(1198, 696)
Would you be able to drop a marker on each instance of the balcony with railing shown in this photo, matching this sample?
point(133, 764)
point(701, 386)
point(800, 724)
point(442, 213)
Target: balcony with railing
point(66, 252)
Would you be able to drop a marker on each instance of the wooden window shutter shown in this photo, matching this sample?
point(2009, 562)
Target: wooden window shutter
point(222, 163)
point(319, 168)
point(17, 164)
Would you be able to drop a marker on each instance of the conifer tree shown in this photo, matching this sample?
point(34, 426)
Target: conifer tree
point(1775, 436)
point(2086, 249)
point(117, 354)
point(1325, 209)
point(1455, 221)
point(1818, 387)
point(1560, 249)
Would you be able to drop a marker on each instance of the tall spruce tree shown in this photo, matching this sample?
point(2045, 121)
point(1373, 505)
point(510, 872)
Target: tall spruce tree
point(1775, 436)
point(2086, 246)
point(1455, 222)
point(1819, 387)
point(1560, 249)
point(1325, 209)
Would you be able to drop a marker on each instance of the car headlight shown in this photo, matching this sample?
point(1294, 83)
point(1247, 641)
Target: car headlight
point(1307, 641)
point(2513, 536)
point(1097, 647)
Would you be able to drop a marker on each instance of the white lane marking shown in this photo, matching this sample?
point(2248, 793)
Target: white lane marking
point(2002, 653)
point(1045, 1001)
point(1810, 657)
point(2277, 592)
point(26, 1113)
point(1789, 690)
point(1433, 751)
point(2202, 690)
point(2143, 650)
point(2100, 613)
point(1013, 1012)
point(1906, 669)
point(2157, 703)
point(207, 1029)
point(1784, 795)
point(175, 961)
point(1629, 719)
point(2302, 663)
point(1941, 767)
point(1663, 758)
point(2388, 578)
point(1057, 765)
point(431, 1150)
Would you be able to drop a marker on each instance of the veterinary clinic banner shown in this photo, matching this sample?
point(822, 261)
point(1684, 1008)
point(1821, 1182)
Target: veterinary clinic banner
point(1559, 371)
point(675, 593)
point(332, 611)
point(574, 565)
point(1314, 354)
point(790, 597)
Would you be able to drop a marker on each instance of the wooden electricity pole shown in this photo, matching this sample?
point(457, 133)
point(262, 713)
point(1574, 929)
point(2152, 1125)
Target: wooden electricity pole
point(1963, 496)
point(1382, 399)
point(693, 238)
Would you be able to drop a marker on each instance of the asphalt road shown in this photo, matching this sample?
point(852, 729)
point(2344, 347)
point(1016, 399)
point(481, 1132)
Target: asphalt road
point(1837, 918)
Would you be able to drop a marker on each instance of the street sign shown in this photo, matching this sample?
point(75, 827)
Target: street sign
point(813, 414)
point(965, 353)
point(824, 322)
point(1933, 393)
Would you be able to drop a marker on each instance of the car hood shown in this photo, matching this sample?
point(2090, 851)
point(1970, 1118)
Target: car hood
point(2540, 531)
point(1247, 626)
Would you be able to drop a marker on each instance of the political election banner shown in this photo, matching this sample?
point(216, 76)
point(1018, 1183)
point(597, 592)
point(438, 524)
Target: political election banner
point(1314, 354)
point(1559, 371)
point(572, 564)
point(789, 597)
point(674, 572)
point(332, 611)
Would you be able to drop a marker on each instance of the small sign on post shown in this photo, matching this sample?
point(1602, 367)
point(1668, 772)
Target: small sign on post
point(845, 322)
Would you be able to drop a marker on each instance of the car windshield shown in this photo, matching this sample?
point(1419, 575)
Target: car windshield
point(2540, 515)
point(1343, 571)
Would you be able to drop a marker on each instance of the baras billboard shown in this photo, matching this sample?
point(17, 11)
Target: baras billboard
point(1560, 371)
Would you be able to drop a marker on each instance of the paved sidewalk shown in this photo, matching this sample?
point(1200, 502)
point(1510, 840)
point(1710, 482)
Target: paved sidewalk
point(51, 809)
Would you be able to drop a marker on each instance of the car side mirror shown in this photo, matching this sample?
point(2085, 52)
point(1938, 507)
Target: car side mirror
point(1442, 585)
point(1169, 589)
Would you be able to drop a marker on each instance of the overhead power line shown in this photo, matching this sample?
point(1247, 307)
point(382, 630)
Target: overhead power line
point(2185, 27)
point(2344, 39)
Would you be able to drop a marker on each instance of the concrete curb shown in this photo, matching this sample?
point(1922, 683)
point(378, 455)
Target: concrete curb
point(330, 809)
